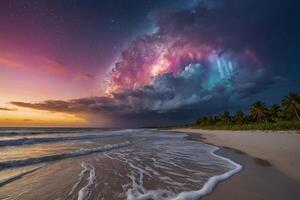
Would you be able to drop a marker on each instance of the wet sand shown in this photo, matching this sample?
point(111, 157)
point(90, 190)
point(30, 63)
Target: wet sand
point(256, 181)
point(264, 175)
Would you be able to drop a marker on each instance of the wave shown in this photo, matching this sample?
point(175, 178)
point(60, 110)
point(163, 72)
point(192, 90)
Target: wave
point(39, 131)
point(138, 192)
point(17, 176)
point(28, 141)
point(80, 177)
point(212, 181)
point(81, 152)
point(85, 192)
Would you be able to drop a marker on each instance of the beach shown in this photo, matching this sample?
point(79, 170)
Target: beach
point(142, 164)
point(95, 164)
point(270, 160)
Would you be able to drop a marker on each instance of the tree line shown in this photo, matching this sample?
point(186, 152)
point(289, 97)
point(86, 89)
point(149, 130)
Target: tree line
point(259, 112)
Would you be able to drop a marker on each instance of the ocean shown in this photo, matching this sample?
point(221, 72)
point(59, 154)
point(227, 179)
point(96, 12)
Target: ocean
point(103, 164)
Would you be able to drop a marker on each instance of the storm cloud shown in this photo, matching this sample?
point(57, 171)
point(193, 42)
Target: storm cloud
point(201, 59)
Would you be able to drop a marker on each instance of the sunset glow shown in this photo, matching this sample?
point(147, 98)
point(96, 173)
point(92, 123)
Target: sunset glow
point(30, 117)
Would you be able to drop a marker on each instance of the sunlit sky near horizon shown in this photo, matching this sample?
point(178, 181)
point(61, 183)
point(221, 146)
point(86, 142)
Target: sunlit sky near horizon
point(142, 62)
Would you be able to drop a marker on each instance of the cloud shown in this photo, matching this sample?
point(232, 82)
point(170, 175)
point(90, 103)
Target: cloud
point(203, 58)
point(90, 76)
point(195, 88)
point(18, 62)
point(7, 109)
point(51, 65)
point(84, 76)
point(257, 29)
point(10, 63)
point(44, 64)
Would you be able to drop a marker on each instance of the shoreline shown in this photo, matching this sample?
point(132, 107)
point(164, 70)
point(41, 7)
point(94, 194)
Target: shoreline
point(281, 149)
point(255, 181)
point(258, 179)
point(261, 178)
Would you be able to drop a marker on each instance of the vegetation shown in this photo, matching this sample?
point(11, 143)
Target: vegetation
point(261, 117)
point(291, 105)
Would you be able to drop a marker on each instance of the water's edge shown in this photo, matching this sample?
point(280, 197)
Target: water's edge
point(212, 182)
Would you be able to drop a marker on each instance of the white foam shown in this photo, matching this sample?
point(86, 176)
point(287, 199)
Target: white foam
point(138, 192)
point(80, 177)
point(171, 157)
point(211, 183)
point(85, 192)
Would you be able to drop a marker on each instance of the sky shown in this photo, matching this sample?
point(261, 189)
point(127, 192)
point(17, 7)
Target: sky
point(117, 63)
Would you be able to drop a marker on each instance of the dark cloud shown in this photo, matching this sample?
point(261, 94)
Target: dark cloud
point(7, 109)
point(184, 94)
point(266, 29)
point(230, 23)
point(87, 75)
point(269, 28)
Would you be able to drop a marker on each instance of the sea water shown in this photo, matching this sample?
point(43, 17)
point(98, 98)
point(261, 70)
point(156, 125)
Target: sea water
point(132, 164)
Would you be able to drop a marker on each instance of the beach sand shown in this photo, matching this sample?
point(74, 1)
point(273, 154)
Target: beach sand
point(271, 163)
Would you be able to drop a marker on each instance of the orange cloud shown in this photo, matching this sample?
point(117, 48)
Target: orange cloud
point(17, 62)
point(11, 63)
point(83, 76)
point(51, 65)
point(26, 61)
point(7, 109)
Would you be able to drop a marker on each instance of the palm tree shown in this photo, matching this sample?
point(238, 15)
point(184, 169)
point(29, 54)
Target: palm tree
point(259, 112)
point(275, 111)
point(210, 120)
point(204, 121)
point(199, 120)
point(291, 104)
point(240, 117)
point(225, 118)
point(216, 119)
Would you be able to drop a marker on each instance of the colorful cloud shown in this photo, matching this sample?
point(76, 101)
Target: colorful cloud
point(201, 58)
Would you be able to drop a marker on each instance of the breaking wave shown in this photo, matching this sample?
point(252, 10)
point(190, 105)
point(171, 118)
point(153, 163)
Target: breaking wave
point(27, 141)
point(81, 152)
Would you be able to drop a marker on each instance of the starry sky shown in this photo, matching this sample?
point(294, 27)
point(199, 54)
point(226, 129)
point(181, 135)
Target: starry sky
point(143, 62)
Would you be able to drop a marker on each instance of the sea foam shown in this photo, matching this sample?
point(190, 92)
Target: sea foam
point(138, 192)
point(167, 162)
point(212, 182)
point(85, 192)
